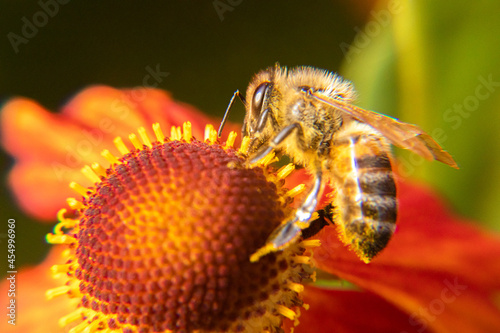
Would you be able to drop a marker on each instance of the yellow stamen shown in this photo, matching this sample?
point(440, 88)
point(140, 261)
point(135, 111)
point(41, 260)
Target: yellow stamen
point(92, 327)
point(69, 318)
point(210, 133)
point(110, 157)
point(310, 243)
point(245, 144)
point(60, 214)
point(268, 248)
point(90, 174)
point(175, 133)
point(144, 137)
point(295, 191)
point(268, 159)
point(98, 169)
point(79, 328)
point(302, 260)
point(79, 189)
point(186, 131)
point(58, 269)
point(59, 239)
point(74, 204)
point(286, 312)
point(58, 291)
point(158, 132)
point(135, 141)
point(230, 140)
point(285, 171)
point(297, 287)
point(64, 222)
point(120, 145)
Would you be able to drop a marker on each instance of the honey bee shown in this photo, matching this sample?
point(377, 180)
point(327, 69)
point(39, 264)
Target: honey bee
point(307, 113)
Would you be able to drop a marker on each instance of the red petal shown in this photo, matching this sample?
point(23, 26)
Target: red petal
point(441, 270)
point(343, 311)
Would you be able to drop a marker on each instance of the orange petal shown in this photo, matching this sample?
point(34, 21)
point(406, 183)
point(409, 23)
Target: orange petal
point(41, 189)
point(350, 312)
point(52, 148)
point(33, 312)
point(441, 270)
point(29, 132)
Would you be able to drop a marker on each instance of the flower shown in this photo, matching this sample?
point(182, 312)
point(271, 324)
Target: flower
point(439, 273)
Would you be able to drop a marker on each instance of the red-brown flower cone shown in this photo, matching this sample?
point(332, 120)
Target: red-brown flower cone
point(162, 242)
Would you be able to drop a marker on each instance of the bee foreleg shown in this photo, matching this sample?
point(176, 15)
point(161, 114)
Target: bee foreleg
point(308, 207)
point(291, 230)
point(275, 142)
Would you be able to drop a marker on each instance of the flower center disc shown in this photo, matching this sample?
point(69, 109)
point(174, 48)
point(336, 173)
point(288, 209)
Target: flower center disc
point(164, 241)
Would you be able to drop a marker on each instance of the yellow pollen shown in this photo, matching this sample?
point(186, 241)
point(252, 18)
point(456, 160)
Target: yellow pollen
point(230, 140)
point(158, 132)
point(186, 131)
point(286, 312)
point(120, 145)
point(311, 243)
point(295, 191)
point(79, 189)
point(297, 287)
point(98, 169)
point(74, 204)
point(245, 144)
point(175, 133)
point(58, 291)
point(135, 141)
point(285, 171)
point(110, 157)
point(144, 137)
point(90, 174)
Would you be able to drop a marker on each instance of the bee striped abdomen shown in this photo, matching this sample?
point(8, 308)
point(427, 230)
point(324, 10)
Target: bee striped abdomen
point(366, 193)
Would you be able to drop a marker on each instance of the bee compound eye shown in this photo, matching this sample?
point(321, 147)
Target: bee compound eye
point(305, 88)
point(258, 98)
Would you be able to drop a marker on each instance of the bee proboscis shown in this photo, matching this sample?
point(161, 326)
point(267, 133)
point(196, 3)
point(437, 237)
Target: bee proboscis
point(307, 113)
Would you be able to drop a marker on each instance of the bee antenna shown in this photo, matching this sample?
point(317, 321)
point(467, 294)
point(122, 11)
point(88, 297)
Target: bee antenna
point(223, 122)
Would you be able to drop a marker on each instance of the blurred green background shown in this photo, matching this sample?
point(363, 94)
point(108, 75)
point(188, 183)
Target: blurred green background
point(431, 63)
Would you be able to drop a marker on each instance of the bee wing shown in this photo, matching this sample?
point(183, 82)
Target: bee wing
point(401, 134)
